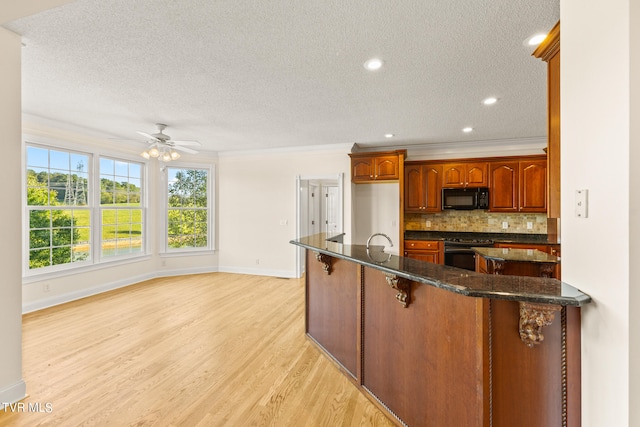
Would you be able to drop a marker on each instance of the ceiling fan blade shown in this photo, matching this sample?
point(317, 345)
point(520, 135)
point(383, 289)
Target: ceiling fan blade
point(146, 135)
point(187, 143)
point(185, 149)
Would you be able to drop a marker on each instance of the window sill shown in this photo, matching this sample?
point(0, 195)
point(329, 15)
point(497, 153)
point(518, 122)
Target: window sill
point(183, 253)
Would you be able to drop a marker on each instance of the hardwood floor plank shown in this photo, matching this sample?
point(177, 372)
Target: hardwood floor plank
point(203, 350)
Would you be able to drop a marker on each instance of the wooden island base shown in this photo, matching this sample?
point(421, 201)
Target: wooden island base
point(431, 357)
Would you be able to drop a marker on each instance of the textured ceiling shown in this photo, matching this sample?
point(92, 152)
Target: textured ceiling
point(246, 74)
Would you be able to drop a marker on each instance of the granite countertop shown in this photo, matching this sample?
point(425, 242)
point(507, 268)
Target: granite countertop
point(516, 255)
point(463, 282)
point(540, 239)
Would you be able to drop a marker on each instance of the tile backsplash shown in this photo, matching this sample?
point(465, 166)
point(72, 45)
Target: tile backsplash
point(478, 221)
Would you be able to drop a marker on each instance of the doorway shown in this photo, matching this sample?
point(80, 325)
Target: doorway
point(319, 209)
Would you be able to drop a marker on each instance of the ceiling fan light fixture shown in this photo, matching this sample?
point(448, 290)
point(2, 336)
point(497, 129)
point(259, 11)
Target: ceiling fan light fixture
point(174, 155)
point(166, 157)
point(145, 154)
point(154, 152)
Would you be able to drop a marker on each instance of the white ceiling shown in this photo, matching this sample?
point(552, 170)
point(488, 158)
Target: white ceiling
point(246, 74)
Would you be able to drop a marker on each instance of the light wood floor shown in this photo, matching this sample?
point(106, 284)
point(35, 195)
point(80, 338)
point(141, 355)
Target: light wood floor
point(205, 350)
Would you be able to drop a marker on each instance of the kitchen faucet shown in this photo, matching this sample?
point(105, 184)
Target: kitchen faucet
point(379, 234)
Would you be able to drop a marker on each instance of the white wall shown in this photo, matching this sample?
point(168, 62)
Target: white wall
point(257, 192)
point(12, 386)
point(377, 211)
point(600, 253)
point(634, 216)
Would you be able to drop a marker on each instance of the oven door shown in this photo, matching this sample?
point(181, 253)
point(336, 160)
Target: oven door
point(460, 258)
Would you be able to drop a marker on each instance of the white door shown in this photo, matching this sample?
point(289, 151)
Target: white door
point(331, 209)
point(315, 211)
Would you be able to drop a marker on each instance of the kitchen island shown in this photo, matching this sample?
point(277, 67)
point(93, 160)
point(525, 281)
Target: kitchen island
point(518, 262)
point(439, 346)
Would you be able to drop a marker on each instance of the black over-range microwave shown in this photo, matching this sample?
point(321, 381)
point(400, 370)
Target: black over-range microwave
point(465, 198)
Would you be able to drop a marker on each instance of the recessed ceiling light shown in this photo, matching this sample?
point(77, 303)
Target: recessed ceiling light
point(490, 101)
point(467, 129)
point(373, 64)
point(535, 40)
point(389, 135)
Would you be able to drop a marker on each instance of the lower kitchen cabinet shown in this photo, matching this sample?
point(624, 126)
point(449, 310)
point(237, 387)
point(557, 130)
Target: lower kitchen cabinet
point(551, 249)
point(425, 250)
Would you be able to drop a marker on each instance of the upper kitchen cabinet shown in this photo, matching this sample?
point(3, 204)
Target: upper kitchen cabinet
point(533, 186)
point(377, 166)
point(465, 175)
point(518, 185)
point(423, 185)
point(503, 191)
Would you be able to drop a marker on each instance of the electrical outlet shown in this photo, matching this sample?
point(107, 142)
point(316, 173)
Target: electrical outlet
point(505, 225)
point(45, 287)
point(529, 225)
point(257, 261)
point(427, 224)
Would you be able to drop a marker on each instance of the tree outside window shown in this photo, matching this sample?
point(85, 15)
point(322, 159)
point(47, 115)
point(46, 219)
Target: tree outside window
point(58, 212)
point(187, 208)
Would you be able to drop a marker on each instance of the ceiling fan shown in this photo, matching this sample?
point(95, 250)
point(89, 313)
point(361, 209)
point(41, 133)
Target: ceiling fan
point(163, 147)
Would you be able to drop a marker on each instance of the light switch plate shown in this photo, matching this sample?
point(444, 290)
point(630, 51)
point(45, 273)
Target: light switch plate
point(582, 203)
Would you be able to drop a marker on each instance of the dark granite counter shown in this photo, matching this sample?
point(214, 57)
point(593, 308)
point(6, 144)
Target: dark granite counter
point(541, 239)
point(516, 255)
point(463, 282)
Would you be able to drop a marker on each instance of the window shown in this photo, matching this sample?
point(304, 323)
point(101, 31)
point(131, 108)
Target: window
point(188, 209)
point(81, 211)
point(121, 210)
point(58, 211)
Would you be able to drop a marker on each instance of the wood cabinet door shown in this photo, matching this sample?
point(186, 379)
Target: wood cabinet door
point(454, 175)
point(386, 167)
point(503, 189)
point(425, 250)
point(533, 186)
point(477, 175)
point(424, 256)
point(466, 175)
point(414, 190)
point(433, 186)
point(362, 169)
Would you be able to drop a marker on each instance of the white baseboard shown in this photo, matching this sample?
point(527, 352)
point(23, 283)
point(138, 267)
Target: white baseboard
point(13, 393)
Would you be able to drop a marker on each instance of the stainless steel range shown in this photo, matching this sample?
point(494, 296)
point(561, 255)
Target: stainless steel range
point(458, 253)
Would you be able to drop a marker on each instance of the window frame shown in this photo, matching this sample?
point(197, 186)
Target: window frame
point(93, 205)
point(100, 209)
point(27, 209)
point(166, 250)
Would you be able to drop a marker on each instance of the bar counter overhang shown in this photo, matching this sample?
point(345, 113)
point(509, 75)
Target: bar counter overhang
point(436, 346)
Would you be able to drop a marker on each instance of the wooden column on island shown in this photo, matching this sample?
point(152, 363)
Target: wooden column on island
point(549, 51)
